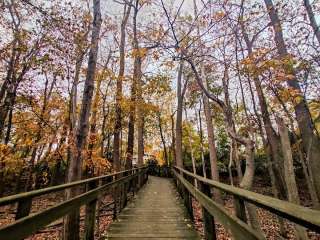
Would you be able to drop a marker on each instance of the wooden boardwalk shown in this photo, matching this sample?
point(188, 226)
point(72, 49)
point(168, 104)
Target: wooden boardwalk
point(157, 212)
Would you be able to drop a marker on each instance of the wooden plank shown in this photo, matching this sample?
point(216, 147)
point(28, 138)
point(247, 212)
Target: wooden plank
point(21, 196)
point(306, 217)
point(239, 229)
point(29, 225)
point(240, 208)
point(90, 218)
point(208, 220)
point(156, 213)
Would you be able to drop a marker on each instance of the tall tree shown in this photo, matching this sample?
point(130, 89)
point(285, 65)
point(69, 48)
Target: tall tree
point(178, 129)
point(312, 19)
point(71, 223)
point(118, 118)
point(310, 139)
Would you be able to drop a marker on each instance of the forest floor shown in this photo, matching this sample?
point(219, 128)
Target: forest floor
point(268, 221)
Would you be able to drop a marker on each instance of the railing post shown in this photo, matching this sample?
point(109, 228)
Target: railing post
point(90, 217)
point(115, 198)
point(146, 176)
point(208, 220)
point(187, 199)
point(240, 208)
point(125, 187)
point(24, 208)
point(133, 181)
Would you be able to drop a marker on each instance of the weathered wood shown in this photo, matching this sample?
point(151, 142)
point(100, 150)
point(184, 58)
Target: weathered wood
point(208, 220)
point(24, 207)
point(17, 197)
point(240, 209)
point(239, 229)
point(90, 218)
point(187, 202)
point(30, 224)
point(156, 213)
point(306, 217)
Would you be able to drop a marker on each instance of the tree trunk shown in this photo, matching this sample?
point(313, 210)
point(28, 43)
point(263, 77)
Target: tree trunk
point(178, 132)
point(200, 131)
point(289, 174)
point(165, 151)
point(92, 135)
point(194, 168)
point(118, 117)
point(173, 141)
point(135, 91)
point(212, 148)
point(310, 140)
point(71, 222)
point(312, 19)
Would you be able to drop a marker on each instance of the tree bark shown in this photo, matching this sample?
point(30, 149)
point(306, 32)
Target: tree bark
point(289, 174)
point(212, 147)
point(178, 132)
point(194, 168)
point(71, 223)
point(173, 141)
point(310, 140)
point(200, 131)
point(165, 151)
point(118, 117)
point(312, 20)
point(273, 139)
point(135, 93)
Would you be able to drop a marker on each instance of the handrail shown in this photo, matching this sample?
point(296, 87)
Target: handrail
point(239, 229)
point(35, 193)
point(298, 214)
point(30, 224)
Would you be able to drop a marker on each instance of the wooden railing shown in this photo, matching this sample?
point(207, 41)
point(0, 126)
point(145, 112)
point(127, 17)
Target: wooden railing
point(26, 225)
point(237, 225)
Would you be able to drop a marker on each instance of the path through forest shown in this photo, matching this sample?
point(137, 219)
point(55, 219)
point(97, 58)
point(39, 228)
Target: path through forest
point(157, 212)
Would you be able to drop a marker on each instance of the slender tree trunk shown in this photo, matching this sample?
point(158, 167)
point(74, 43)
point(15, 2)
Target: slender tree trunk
point(194, 168)
point(71, 223)
point(247, 180)
point(7, 105)
point(273, 139)
point(178, 132)
point(140, 141)
point(92, 134)
point(210, 129)
point(200, 130)
point(293, 195)
point(135, 92)
point(212, 148)
point(266, 145)
point(310, 140)
point(118, 117)
point(173, 141)
point(312, 19)
point(165, 151)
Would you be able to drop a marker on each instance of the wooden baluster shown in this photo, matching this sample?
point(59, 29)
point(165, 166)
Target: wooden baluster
point(208, 220)
point(187, 199)
point(240, 208)
point(133, 182)
point(115, 198)
point(125, 187)
point(90, 217)
point(24, 208)
point(146, 176)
